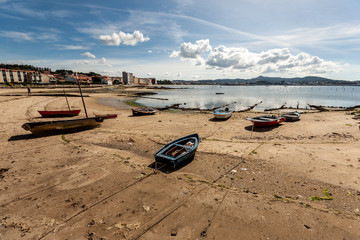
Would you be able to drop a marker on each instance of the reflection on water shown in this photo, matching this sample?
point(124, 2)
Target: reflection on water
point(205, 97)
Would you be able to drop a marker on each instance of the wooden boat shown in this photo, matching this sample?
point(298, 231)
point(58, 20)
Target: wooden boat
point(60, 113)
point(141, 111)
point(219, 93)
point(106, 116)
point(267, 120)
point(178, 151)
point(50, 126)
point(222, 114)
point(291, 116)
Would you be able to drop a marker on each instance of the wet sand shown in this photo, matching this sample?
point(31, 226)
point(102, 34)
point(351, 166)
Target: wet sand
point(242, 184)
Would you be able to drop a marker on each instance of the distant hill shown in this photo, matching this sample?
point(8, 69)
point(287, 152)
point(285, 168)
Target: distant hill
point(261, 80)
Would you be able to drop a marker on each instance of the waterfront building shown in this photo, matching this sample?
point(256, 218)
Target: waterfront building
point(20, 76)
point(128, 78)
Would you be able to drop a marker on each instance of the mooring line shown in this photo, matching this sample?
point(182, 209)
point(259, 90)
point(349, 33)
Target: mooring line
point(204, 232)
point(102, 200)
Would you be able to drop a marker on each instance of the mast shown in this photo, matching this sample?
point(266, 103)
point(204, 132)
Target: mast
point(82, 98)
point(66, 100)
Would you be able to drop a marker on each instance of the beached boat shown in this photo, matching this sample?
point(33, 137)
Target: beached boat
point(267, 120)
point(60, 113)
point(106, 116)
point(222, 114)
point(51, 126)
point(178, 151)
point(143, 111)
point(291, 116)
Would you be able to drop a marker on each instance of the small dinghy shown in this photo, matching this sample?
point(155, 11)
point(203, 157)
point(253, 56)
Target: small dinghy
point(106, 116)
point(60, 113)
point(222, 114)
point(178, 151)
point(291, 116)
point(266, 121)
point(141, 111)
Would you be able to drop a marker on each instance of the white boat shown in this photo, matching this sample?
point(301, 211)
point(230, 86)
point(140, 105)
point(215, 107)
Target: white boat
point(291, 116)
point(222, 114)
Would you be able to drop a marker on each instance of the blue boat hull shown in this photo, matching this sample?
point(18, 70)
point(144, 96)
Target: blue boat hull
point(178, 151)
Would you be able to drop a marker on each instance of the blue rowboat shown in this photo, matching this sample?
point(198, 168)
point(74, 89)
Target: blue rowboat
point(178, 151)
point(222, 114)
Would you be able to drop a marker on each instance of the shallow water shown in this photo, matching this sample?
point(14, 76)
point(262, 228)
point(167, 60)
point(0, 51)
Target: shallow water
point(240, 97)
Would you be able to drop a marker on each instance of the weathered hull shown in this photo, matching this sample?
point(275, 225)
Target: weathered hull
point(143, 111)
point(266, 121)
point(50, 126)
point(106, 116)
point(178, 151)
point(61, 113)
point(292, 116)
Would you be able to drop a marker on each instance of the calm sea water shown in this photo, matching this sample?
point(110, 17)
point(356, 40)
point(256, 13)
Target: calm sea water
point(240, 97)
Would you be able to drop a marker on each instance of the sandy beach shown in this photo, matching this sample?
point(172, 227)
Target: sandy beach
point(242, 184)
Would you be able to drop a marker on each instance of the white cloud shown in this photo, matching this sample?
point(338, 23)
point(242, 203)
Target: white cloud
point(189, 50)
point(149, 51)
point(102, 61)
point(149, 74)
point(19, 36)
point(115, 39)
point(88, 54)
point(72, 47)
point(243, 60)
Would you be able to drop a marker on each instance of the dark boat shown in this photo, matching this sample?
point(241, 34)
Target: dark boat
point(178, 151)
point(51, 126)
point(106, 116)
point(60, 113)
point(291, 116)
point(141, 111)
point(267, 120)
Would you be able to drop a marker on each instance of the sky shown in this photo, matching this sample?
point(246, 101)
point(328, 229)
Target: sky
point(185, 39)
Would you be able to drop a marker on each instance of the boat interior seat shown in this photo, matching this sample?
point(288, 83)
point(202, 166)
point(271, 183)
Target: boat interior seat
point(180, 145)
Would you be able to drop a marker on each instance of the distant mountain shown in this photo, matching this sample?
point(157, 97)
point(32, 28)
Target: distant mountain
point(261, 80)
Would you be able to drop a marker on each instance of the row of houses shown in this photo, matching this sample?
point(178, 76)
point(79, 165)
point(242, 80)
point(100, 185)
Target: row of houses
point(35, 77)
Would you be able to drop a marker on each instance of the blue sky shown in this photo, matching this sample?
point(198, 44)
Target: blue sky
point(185, 39)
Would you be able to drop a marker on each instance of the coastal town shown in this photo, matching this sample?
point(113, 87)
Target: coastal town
point(11, 76)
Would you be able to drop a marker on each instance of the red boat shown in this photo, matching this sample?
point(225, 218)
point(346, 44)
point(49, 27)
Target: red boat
point(60, 113)
point(266, 121)
point(106, 116)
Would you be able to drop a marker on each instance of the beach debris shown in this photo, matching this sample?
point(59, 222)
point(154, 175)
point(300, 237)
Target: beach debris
point(3, 170)
point(146, 208)
point(328, 196)
point(234, 171)
point(173, 233)
point(306, 226)
point(129, 226)
point(244, 169)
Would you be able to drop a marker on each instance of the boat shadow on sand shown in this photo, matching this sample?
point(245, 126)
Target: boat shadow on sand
point(47, 134)
point(168, 168)
point(218, 119)
point(251, 128)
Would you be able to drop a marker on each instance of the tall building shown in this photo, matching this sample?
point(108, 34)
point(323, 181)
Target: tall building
point(128, 78)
